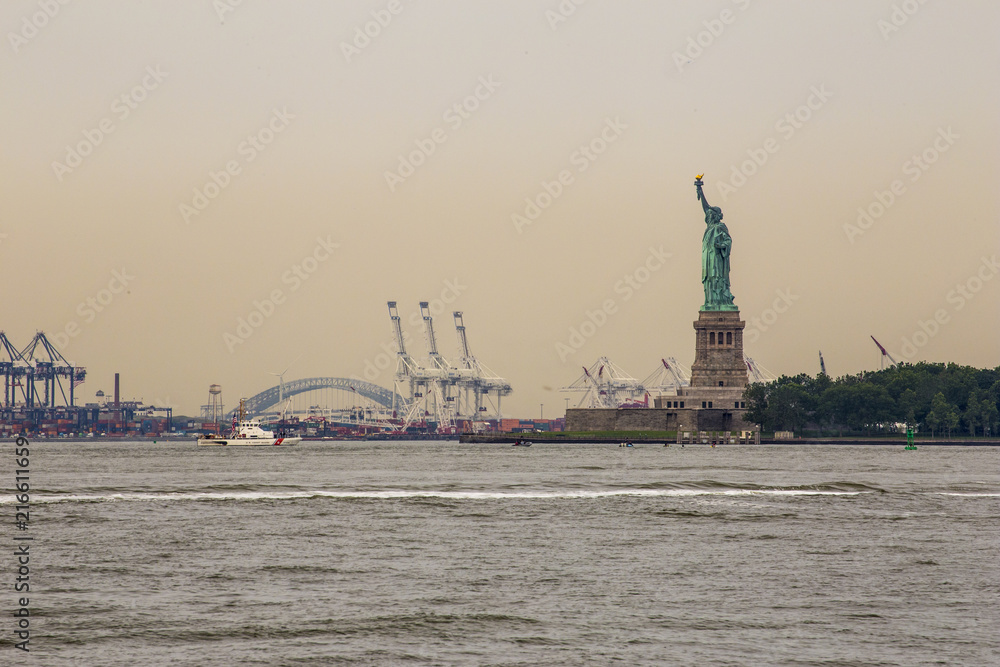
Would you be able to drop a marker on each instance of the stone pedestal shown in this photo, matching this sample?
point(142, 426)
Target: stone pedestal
point(718, 350)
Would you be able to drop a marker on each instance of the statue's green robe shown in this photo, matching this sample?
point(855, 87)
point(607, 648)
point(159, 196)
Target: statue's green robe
point(715, 247)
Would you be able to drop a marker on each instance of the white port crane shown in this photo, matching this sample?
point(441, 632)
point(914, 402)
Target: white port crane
point(756, 372)
point(668, 376)
point(442, 379)
point(605, 385)
point(437, 386)
point(483, 382)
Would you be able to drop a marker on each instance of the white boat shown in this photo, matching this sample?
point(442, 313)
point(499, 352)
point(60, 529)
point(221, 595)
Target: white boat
point(246, 433)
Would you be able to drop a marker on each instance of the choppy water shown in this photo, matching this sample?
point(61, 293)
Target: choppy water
point(448, 554)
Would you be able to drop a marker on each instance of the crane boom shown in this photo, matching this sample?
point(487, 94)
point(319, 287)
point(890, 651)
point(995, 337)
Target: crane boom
point(397, 328)
point(885, 353)
point(432, 349)
point(462, 339)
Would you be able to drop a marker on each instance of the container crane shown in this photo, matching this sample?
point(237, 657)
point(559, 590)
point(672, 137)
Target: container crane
point(51, 369)
point(885, 354)
point(442, 380)
point(756, 372)
point(667, 377)
point(605, 385)
point(483, 382)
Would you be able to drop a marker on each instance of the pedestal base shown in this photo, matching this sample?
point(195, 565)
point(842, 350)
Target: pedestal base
point(718, 350)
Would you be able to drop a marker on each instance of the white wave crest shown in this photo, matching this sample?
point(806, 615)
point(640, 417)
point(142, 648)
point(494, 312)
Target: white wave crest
point(405, 494)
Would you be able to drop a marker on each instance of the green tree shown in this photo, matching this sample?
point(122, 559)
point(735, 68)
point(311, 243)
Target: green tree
point(990, 416)
point(755, 396)
point(932, 421)
point(791, 406)
point(945, 412)
point(973, 413)
point(952, 420)
point(906, 406)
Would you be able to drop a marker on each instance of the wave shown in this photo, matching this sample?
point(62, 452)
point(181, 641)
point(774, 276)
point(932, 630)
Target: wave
point(415, 495)
point(964, 494)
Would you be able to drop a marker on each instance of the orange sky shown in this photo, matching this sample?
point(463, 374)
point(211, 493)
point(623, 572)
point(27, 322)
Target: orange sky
point(171, 168)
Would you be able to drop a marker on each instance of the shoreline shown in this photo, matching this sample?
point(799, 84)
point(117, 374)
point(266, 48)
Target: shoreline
point(509, 439)
point(608, 440)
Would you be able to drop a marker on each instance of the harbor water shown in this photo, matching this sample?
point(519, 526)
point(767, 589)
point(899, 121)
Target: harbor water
point(440, 553)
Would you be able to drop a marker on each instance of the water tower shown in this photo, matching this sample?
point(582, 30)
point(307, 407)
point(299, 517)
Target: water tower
point(213, 409)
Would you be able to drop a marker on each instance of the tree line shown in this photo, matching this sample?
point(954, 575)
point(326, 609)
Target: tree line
point(930, 398)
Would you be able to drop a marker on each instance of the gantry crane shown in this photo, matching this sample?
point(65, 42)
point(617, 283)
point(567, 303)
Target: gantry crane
point(605, 385)
point(483, 382)
point(438, 386)
point(885, 354)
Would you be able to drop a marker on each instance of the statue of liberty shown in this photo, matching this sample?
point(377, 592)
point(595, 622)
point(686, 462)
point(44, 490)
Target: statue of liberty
point(716, 246)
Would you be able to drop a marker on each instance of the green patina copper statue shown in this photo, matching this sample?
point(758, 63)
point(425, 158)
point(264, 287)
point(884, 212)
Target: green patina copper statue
point(716, 246)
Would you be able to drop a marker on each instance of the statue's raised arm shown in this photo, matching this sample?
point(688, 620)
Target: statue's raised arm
point(701, 194)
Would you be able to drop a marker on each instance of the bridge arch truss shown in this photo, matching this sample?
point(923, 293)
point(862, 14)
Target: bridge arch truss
point(269, 398)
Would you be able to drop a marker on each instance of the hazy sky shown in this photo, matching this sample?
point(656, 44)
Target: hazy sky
point(169, 167)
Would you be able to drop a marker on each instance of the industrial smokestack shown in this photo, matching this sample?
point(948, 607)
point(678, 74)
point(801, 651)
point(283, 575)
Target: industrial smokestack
point(116, 390)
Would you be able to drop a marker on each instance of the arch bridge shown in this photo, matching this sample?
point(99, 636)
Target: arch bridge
point(269, 398)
